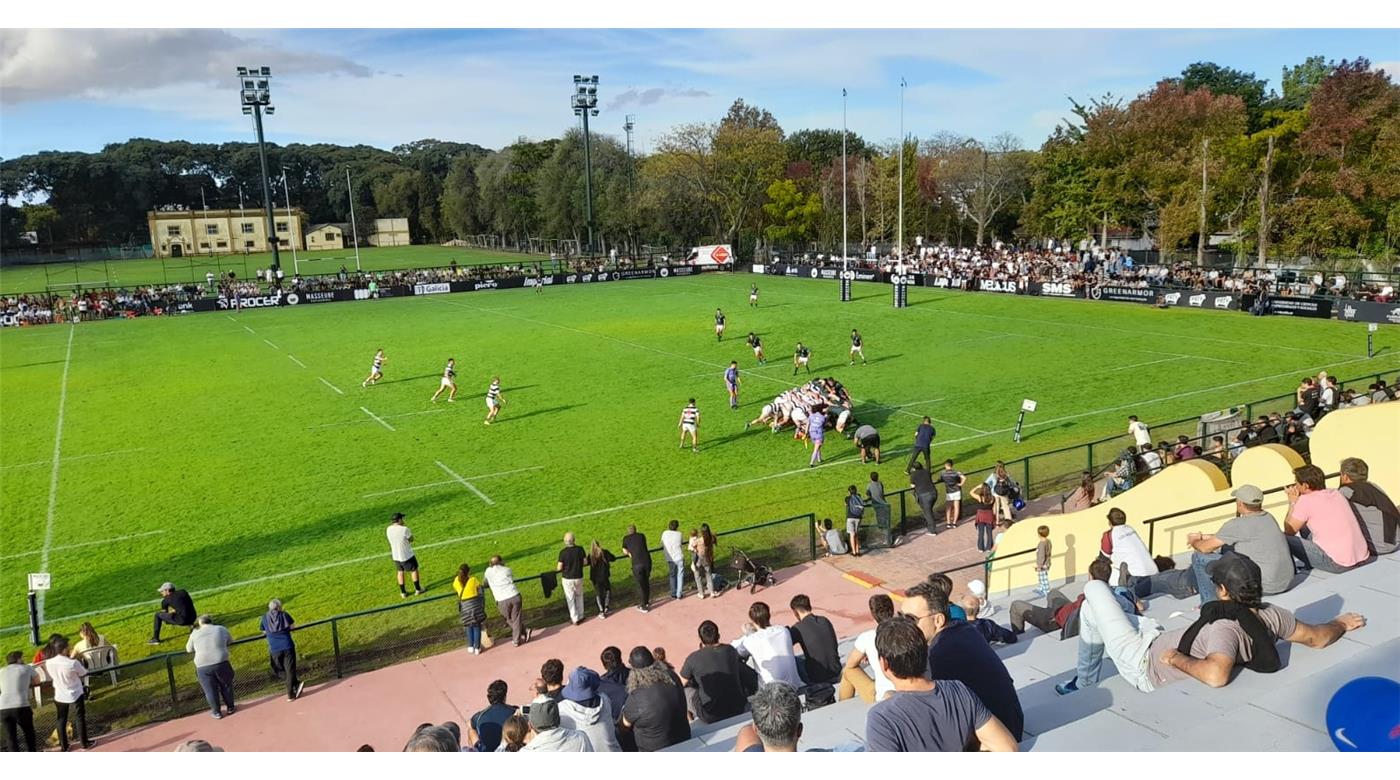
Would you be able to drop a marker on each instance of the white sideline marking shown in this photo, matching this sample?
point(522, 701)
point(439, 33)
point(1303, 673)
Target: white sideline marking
point(469, 486)
point(71, 458)
point(1148, 363)
point(294, 360)
point(53, 475)
point(387, 417)
point(376, 417)
point(230, 318)
point(331, 386)
point(250, 330)
point(679, 356)
point(448, 482)
point(915, 403)
point(1197, 357)
point(82, 544)
point(270, 344)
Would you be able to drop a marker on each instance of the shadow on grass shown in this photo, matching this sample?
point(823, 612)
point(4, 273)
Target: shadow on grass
point(550, 410)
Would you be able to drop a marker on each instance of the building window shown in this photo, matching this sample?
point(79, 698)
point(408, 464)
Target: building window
point(204, 245)
point(281, 227)
point(211, 229)
point(247, 228)
point(330, 237)
point(282, 242)
point(172, 230)
point(222, 245)
point(247, 244)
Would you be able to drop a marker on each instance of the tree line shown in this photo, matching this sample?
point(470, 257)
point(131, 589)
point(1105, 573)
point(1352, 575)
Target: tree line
point(1311, 171)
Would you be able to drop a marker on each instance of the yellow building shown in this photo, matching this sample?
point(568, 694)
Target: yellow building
point(221, 231)
point(390, 232)
point(325, 236)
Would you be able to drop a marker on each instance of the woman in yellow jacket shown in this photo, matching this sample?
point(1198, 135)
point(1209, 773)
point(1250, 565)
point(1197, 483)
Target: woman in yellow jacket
point(471, 606)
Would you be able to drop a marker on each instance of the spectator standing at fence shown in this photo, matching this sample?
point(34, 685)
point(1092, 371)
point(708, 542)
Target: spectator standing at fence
point(16, 713)
point(702, 559)
point(570, 568)
point(673, 547)
point(986, 517)
point(471, 606)
point(1379, 517)
point(634, 546)
point(923, 444)
point(1142, 437)
point(952, 480)
point(923, 714)
point(713, 678)
point(501, 580)
point(69, 692)
point(1334, 542)
point(870, 687)
point(176, 609)
point(875, 499)
point(600, 563)
point(1004, 491)
point(210, 643)
point(855, 511)
point(484, 728)
point(925, 493)
point(401, 550)
point(276, 625)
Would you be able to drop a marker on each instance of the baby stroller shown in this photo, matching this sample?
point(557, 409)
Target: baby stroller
point(755, 573)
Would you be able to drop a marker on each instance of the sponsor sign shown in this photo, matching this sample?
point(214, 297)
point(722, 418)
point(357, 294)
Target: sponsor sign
point(1320, 308)
point(866, 276)
point(321, 296)
point(1370, 311)
point(252, 301)
point(485, 284)
point(757, 268)
point(682, 270)
point(635, 273)
point(1195, 299)
point(1110, 292)
point(434, 288)
point(1054, 290)
point(945, 282)
point(9, 320)
point(720, 254)
point(997, 285)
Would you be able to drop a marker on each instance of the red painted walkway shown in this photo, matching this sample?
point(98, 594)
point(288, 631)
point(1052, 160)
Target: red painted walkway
point(381, 708)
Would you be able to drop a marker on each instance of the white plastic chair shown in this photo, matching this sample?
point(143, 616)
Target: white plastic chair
point(99, 658)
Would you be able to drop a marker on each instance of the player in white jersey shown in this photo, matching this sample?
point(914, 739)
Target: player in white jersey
point(494, 399)
point(449, 381)
point(690, 423)
point(769, 415)
point(376, 371)
point(857, 347)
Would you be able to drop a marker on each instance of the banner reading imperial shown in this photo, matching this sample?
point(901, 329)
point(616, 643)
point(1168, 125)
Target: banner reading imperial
point(1370, 311)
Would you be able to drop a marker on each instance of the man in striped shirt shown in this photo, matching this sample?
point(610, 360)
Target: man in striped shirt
point(449, 381)
point(494, 399)
point(690, 421)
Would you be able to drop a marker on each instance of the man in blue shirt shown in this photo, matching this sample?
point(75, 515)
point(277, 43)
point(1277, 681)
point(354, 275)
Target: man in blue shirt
point(484, 728)
point(923, 442)
point(277, 626)
point(958, 651)
point(731, 383)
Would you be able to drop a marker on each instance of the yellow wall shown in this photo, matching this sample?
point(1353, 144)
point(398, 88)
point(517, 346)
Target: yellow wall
point(229, 223)
point(1371, 433)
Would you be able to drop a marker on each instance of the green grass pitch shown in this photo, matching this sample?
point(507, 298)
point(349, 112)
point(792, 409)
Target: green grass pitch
point(237, 455)
point(187, 270)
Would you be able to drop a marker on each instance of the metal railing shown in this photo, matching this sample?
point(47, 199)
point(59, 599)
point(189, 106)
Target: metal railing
point(1152, 522)
point(164, 686)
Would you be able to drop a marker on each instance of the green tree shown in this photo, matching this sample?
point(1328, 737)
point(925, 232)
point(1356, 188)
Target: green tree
point(793, 215)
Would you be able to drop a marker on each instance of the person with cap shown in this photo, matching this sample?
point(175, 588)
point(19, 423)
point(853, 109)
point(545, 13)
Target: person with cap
point(276, 626)
point(547, 735)
point(401, 550)
point(210, 643)
point(176, 609)
point(1322, 530)
point(1253, 533)
point(587, 710)
point(655, 713)
point(1237, 628)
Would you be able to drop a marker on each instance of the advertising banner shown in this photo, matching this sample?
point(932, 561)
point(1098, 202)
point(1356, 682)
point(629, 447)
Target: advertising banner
point(1109, 292)
point(1370, 311)
point(1320, 308)
point(434, 288)
point(1197, 299)
point(1055, 290)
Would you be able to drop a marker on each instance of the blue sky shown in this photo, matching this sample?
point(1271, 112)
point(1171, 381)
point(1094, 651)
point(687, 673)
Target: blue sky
point(80, 89)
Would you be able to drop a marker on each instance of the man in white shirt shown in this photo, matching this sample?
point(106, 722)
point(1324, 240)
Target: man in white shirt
point(501, 581)
point(68, 692)
point(1141, 435)
point(673, 547)
point(16, 714)
point(401, 550)
point(1150, 459)
point(769, 646)
point(873, 686)
point(1125, 549)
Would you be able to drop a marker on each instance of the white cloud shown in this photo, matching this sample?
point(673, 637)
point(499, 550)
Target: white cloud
point(55, 64)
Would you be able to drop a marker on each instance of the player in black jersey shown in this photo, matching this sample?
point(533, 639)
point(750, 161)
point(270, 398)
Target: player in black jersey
point(856, 348)
point(757, 345)
point(800, 356)
point(753, 295)
point(719, 325)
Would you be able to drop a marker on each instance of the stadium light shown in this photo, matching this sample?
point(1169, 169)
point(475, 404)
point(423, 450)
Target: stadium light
point(255, 94)
point(585, 104)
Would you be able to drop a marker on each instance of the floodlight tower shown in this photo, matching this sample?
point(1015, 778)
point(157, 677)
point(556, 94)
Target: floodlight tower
point(627, 126)
point(585, 104)
point(254, 94)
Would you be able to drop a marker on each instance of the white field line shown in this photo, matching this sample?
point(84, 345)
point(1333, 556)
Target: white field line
point(250, 330)
point(462, 480)
point(1076, 325)
point(270, 344)
point(72, 458)
point(1197, 357)
point(53, 474)
point(331, 386)
point(386, 417)
point(294, 360)
point(448, 482)
point(230, 318)
point(483, 535)
point(677, 355)
point(1148, 363)
point(377, 418)
point(915, 403)
point(82, 544)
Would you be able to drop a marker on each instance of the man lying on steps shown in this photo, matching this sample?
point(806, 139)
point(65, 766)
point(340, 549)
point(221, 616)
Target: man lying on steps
point(1239, 628)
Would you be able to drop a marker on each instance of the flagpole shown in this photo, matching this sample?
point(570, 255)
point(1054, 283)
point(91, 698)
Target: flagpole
point(899, 240)
point(844, 240)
